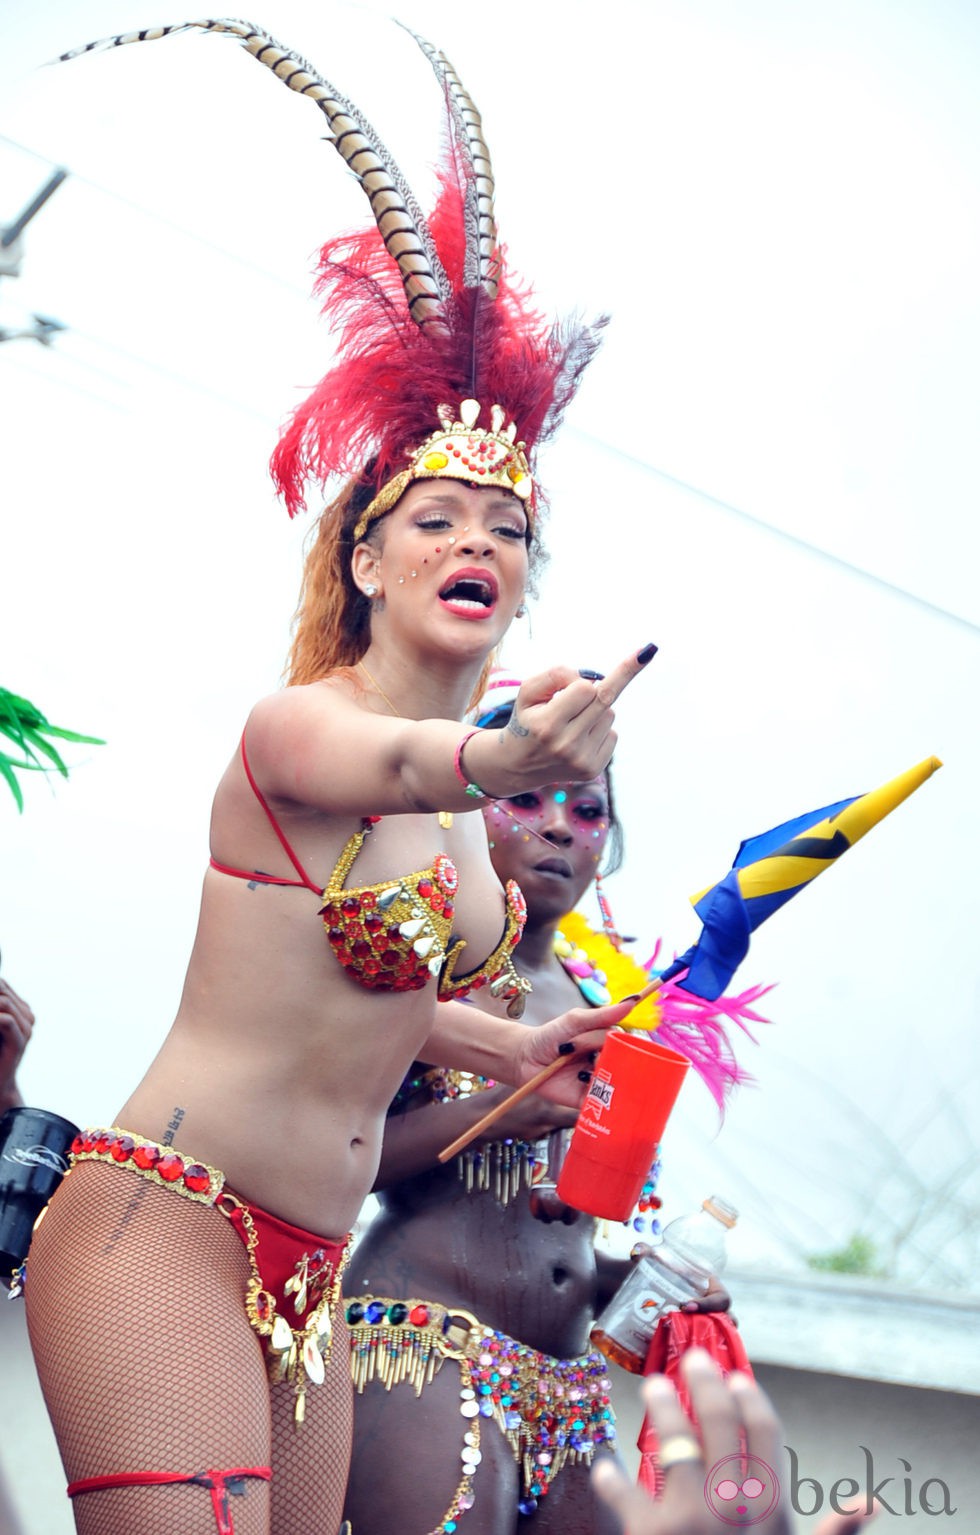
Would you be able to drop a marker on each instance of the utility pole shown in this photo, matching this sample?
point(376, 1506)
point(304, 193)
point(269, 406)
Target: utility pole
point(11, 254)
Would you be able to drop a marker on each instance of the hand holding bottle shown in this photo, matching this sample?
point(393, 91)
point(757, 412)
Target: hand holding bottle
point(674, 1275)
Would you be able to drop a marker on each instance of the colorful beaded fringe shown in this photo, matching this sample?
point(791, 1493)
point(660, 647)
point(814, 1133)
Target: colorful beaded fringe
point(501, 1168)
point(549, 1410)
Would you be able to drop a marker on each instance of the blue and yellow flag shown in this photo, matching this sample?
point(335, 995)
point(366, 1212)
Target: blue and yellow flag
point(770, 869)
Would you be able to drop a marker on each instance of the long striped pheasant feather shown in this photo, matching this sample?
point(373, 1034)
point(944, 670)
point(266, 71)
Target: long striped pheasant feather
point(396, 210)
point(467, 328)
point(482, 268)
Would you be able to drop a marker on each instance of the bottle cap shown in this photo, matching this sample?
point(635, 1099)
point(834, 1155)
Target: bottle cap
point(721, 1210)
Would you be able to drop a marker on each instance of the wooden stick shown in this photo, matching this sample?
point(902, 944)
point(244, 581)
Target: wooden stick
point(648, 991)
point(528, 1087)
point(462, 1141)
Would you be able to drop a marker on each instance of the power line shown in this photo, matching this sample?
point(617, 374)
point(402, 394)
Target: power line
point(728, 507)
point(181, 380)
point(158, 218)
point(826, 555)
point(178, 380)
point(56, 381)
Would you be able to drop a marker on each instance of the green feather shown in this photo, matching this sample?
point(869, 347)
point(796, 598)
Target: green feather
point(7, 772)
point(23, 723)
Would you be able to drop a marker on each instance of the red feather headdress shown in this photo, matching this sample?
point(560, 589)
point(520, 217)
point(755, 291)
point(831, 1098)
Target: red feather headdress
point(444, 366)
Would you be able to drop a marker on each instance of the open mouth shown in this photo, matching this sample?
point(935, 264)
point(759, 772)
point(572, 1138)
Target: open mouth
point(471, 591)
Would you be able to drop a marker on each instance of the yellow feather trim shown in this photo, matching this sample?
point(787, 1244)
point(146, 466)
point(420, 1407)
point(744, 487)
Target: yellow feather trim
point(623, 975)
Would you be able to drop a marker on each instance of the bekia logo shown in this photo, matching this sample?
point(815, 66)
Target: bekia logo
point(892, 1494)
point(741, 1490)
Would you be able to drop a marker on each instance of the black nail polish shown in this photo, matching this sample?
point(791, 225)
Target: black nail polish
point(647, 654)
point(567, 1048)
point(591, 676)
point(585, 1076)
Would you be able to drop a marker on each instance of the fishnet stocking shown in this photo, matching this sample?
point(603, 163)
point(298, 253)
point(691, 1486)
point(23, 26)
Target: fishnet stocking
point(310, 1464)
point(148, 1363)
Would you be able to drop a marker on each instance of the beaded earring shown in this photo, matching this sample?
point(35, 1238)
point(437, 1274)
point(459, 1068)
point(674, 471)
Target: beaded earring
point(609, 927)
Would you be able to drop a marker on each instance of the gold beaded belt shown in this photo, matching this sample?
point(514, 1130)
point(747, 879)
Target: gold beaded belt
point(302, 1270)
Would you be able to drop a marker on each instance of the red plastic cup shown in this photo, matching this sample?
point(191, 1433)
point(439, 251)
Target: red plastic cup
point(634, 1086)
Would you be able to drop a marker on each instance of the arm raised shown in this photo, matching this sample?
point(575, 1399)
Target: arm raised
point(318, 745)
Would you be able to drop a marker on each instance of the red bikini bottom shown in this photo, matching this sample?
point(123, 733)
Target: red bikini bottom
point(290, 1297)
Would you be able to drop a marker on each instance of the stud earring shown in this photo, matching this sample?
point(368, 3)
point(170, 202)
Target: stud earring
point(521, 611)
point(370, 591)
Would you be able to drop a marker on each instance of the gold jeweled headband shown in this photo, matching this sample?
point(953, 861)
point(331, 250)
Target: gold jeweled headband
point(460, 450)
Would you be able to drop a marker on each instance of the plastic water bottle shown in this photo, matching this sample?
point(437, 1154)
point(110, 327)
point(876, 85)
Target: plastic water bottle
point(678, 1270)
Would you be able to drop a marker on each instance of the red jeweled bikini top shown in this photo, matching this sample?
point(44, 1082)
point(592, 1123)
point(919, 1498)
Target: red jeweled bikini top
point(394, 936)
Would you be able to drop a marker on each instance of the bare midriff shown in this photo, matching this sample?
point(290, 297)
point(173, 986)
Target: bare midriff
point(278, 1068)
point(534, 1281)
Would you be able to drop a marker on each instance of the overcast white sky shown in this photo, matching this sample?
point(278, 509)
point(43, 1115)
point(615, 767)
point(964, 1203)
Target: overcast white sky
point(771, 470)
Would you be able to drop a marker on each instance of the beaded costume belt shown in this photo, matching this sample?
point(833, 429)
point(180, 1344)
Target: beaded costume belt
point(549, 1410)
point(295, 1354)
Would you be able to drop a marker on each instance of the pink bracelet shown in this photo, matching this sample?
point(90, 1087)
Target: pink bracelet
point(471, 788)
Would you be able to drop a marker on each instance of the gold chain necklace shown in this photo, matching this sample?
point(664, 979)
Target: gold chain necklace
point(445, 816)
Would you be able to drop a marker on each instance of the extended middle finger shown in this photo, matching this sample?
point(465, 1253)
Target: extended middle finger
point(609, 689)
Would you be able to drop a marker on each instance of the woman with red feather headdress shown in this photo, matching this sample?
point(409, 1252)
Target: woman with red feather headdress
point(188, 1339)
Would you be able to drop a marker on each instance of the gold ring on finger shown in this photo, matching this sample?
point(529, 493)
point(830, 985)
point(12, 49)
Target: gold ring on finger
point(676, 1449)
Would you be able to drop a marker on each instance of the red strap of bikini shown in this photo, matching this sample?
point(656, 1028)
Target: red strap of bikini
point(304, 877)
point(217, 1483)
point(255, 876)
